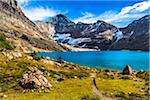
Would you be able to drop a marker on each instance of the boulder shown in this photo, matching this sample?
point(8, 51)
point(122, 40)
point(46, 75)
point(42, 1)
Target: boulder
point(127, 70)
point(34, 79)
point(30, 57)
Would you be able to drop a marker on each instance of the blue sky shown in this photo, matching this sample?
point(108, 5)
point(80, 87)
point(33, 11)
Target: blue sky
point(117, 12)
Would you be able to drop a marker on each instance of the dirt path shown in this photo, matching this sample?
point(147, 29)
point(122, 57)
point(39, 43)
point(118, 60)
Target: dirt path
point(98, 92)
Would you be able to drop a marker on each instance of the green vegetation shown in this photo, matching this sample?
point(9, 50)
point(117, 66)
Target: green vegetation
point(121, 88)
point(35, 56)
point(4, 43)
point(144, 75)
point(69, 81)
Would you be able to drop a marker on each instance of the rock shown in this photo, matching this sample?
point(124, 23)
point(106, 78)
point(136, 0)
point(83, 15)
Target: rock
point(75, 77)
point(127, 70)
point(33, 79)
point(29, 57)
point(12, 3)
point(48, 61)
point(5, 96)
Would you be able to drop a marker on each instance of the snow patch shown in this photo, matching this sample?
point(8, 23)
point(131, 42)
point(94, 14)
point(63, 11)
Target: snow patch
point(119, 35)
point(67, 38)
point(131, 33)
point(62, 37)
point(75, 42)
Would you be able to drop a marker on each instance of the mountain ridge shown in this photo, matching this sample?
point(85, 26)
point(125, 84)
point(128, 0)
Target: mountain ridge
point(99, 35)
point(25, 35)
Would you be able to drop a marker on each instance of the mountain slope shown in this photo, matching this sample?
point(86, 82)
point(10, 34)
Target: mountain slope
point(102, 35)
point(23, 34)
point(136, 35)
point(95, 35)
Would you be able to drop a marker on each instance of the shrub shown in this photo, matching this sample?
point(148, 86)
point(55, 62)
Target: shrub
point(143, 75)
point(35, 56)
point(82, 74)
point(85, 97)
point(4, 43)
point(2, 37)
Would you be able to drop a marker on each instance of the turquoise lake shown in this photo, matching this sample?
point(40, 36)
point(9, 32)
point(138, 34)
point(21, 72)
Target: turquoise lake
point(114, 60)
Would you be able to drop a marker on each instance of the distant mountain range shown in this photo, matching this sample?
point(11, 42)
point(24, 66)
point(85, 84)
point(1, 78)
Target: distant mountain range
point(25, 35)
point(102, 35)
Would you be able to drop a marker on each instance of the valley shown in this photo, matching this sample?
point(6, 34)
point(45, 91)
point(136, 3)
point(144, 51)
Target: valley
point(78, 61)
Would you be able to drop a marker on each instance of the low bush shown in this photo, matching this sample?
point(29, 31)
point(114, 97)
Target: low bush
point(143, 74)
point(35, 56)
point(4, 43)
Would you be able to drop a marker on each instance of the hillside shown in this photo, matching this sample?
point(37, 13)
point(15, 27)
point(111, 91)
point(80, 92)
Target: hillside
point(22, 33)
point(67, 81)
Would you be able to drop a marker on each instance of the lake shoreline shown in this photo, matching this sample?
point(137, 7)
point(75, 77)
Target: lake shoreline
point(88, 50)
point(104, 59)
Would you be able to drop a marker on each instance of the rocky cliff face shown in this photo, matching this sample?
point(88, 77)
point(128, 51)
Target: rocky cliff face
point(47, 29)
point(12, 9)
point(23, 34)
point(102, 35)
point(12, 3)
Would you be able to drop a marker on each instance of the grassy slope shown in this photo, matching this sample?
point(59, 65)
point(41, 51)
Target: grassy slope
point(69, 89)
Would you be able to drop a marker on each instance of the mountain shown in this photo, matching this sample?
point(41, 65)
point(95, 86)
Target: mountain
point(102, 35)
point(21, 33)
point(62, 24)
point(24, 35)
point(96, 35)
point(136, 35)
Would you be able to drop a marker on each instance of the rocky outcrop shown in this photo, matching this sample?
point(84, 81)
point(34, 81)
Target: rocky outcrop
point(13, 3)
point(11, 8)
point(127, 70)
point(34, 79)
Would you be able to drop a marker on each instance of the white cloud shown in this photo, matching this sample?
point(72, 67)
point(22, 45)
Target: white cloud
point(40, 13)
point(23, 3)
point(86, 17)
point(122, 18)
point(138, 7)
